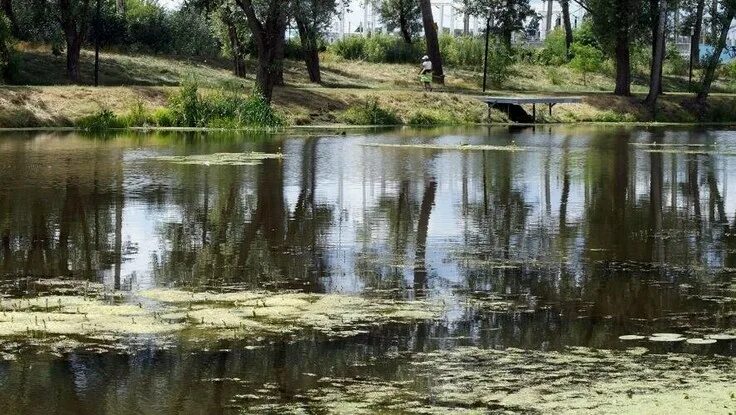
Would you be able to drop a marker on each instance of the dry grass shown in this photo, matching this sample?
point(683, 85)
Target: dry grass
point(130, 79)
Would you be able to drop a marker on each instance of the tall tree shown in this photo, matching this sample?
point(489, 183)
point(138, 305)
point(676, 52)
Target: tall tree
point(655, 79)
point(312, 18)
point(565, 4)
point(617, 24)
point(697, 32)
point(267, 21)
point(74, 17)
point(403, 15)
point(433, 44)
point(723, 19)
point(6, 7)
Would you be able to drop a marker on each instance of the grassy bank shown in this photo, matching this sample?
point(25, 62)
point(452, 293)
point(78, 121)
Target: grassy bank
point(352, 93)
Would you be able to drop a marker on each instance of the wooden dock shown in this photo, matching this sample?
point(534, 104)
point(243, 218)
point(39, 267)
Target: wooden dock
point(514, 104)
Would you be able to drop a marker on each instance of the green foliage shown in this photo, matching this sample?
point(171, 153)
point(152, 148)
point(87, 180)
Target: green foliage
point(226, 108)
point(6, 55)
point(555, 76)
point(102, 120)
point(500, 62)
point(675, 63)
point(349, 47)
point(587, 59)
point(401, 15)
point(462, 51)
point(377, 48)
point(370, 113)
point(163, 117)
point(554, 51)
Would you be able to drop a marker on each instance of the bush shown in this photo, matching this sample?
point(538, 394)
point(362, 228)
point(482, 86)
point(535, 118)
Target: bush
point(370, 113)
point(100, 121)
point(349, 47)
point(163, 117)
point(500, 63)
point(554, 51)
point(226, 108)
point(462, 51)
point(675, 63)
point(587, 59)
point(428, 118)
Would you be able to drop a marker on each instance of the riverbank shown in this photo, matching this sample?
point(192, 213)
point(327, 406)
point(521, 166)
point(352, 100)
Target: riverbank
point(133, 82)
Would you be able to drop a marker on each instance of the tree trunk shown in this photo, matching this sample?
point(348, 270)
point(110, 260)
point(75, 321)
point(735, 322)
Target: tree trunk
point(697, 32)
point(623, 63)
point(568, 27)
point(235, 48)
point(73, 49)
point(466, 24)
point(404, 28)
point(269, 37)
point(308, 38)
point(548, 22)
point(425, 210)
point(655, 78)
point(74, 23)
point(710, 70)
point(433, 44)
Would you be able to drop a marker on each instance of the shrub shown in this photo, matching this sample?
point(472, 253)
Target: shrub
point(555, 76)
point(6, 56)
point(226, 108)
point(349, 47)
point(163, 117)
point(370, 113)
point(462, 51)
point(100, 121)
point(587, 59)
point(137, 116)
point(554, 51)
point(675, 63)
point(500, 63)
point(427, 118)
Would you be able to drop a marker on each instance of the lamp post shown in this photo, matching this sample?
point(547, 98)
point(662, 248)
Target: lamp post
point(485, 59)
point(97, 45)
point(690, 76)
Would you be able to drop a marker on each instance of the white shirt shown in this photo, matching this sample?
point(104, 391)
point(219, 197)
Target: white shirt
point(427, 65)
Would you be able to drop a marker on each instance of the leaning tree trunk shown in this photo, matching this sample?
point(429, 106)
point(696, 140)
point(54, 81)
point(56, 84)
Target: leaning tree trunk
point(710, 70)
point(269, 37)
point(697, 32)
point(655, 78)
point(568, 27)
point(656, 26)
point(433, 44)
point(308, 38)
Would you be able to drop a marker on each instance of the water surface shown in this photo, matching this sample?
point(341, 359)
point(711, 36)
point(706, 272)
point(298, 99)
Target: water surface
point(581, 235)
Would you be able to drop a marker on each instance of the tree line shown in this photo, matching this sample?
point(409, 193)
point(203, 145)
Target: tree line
point(259, 27)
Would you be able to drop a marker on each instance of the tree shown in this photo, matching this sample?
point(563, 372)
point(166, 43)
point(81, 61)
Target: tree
point(565, 4)
point(697, 32)
point(655, 78)
point(234, 34)
point(403, 15)
point(433, 44)
point(267, 21)
point(617, 24)
point(6, 7)
point(74, 17)
point(507, 16)
point(312, 18)
point(723, 19)
point(587, 59)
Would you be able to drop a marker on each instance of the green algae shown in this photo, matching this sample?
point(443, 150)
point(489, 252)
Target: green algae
point(473, 380)
point(162, 312)
point(222, 159)
point(455, 147)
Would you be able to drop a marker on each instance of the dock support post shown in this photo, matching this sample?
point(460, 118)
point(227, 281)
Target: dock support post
point(534, 112)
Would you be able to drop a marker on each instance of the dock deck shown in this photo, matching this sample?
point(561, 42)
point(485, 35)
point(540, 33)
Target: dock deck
point(508, 102)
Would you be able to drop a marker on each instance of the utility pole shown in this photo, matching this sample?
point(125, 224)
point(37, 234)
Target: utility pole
point(485, 56)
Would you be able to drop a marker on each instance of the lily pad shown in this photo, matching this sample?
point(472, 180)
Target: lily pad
point(629, 337)
point(458, 147)
point(721, 336)
point(666, 339)
point(701, 341)
point(222, 159)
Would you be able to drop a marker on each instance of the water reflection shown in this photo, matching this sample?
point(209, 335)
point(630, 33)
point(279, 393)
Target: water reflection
point(584, 237)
